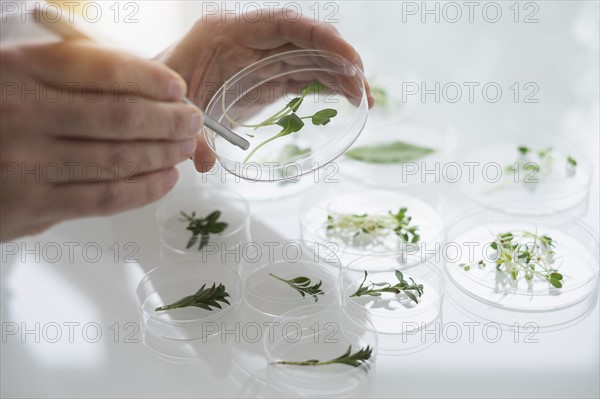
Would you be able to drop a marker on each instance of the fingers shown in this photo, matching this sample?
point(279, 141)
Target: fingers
point(105, 198)
point(93, 161)
point(79, 65)
point(308, 34)
point(204, 158)
point(279, 33)
point(110, 119)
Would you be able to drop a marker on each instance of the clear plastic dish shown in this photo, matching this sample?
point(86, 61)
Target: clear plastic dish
point(265, 191)
point(396, 318)
point(235, 211)
point(266, 293)
point(313, 333)
point(185, 351)
point(167, 284)
point(261, 90)
point(491, 295)
point(501, 175)
point(318, 208)
point(430, 168)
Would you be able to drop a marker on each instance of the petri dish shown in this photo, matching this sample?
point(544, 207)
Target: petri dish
point(167, 284)
point(493, 296)
point(266, 291)
point(435, 148)
point(314, 225)
point(396, 318)
point(186, 351)
point(500, 176)
point(267, 191)
point(260, 91)
point(313, 333)
point(174, 235)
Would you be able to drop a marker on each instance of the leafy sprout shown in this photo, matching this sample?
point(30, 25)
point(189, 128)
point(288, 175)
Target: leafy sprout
point(355, 359)
point(202, 227)
point(287, 118)
point(534, 160)
point(302, 285)
point(524, 255)
point(205, 298)
point(349, 226)
point(412, 290)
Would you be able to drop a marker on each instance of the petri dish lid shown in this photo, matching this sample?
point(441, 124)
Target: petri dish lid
point(260, 91)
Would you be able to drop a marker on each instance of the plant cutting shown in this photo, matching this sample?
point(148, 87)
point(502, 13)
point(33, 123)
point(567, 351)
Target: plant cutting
point(202, 227)
point(523, 254)
point(412, 290)
point(348, 358)
point(302, 285)
point(287, 117)
point(205, 298)
point(388, 153)
point(349, 226)
point(541, 160)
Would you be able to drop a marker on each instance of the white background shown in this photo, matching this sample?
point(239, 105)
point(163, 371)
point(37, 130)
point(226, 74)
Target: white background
point(560, 53)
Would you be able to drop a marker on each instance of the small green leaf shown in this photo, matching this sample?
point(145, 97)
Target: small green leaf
point(213, 216)
point(387, 153)
point(290, 123)
point(556, 283)
point(301, 280)
point(571, 161)
point(399, 276)
point(411, 296)
point(523, 150)
point(556, 276)
point(324, 116)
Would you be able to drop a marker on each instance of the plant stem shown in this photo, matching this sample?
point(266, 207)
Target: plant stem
point(258, 147)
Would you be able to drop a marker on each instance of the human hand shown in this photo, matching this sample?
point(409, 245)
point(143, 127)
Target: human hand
point(86, 131)
point(213, 50)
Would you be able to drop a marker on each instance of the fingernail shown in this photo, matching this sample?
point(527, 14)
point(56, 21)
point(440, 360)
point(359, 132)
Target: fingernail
point(188, 146)
point(176, 90)
point(171, 177)
point(196, 122)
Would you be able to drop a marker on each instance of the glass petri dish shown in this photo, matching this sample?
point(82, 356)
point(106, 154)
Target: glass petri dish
point(210, 349)
point(313, 333)
point(501, 177)
point(316, 210)
point(167, 284)
point(261, 90)
point(266, 191)
point(268, 295)
point(490, 295)
point(398, 320)
point(431, 167)
point(174, 235)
